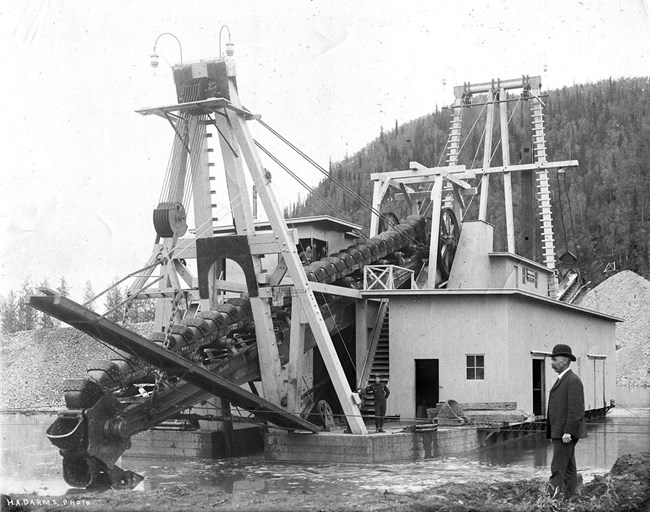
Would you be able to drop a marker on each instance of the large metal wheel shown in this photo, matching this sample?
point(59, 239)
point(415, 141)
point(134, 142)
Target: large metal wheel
point(326, 415)
point(447, 241)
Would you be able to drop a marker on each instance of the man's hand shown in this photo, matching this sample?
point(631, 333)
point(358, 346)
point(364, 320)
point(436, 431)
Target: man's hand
point(566, 438)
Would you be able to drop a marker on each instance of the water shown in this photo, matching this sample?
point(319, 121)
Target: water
point(30, 464)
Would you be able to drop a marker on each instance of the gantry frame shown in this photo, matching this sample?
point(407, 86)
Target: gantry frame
point(240, 157)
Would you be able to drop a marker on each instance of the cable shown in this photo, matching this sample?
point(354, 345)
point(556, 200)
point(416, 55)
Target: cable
point(301, 182)
point(338, 331)
point(335, 180)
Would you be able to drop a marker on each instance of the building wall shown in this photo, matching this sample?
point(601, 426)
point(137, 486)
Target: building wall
point(535, 326)
point(503, 328)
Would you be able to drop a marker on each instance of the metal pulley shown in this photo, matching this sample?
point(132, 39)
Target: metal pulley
point(169, 220)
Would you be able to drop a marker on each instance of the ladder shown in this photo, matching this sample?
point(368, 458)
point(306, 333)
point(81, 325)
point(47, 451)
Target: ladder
point(453, 142)
point(543, 189)
point(453, 149)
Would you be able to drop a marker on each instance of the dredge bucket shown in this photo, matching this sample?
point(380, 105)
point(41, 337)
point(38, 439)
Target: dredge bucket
point(68, 433)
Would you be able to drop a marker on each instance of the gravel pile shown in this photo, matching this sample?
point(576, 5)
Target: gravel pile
point(627, 296)
point(35, 363)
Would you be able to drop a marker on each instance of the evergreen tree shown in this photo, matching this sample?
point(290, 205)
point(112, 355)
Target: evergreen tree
point(89, 294)
point(26, 314)
point(45, 321)
point(142, 311)
point(63, 289)
point(9, 313)
point(113, 297)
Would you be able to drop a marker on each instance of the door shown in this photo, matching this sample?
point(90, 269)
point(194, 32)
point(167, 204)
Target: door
point(426, 386)
point(539, 402)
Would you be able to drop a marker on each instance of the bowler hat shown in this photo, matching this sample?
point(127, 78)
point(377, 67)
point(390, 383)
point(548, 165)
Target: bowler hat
point(563, 350)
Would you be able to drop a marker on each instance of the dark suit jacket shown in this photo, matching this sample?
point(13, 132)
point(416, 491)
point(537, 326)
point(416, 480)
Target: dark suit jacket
point(566, 408)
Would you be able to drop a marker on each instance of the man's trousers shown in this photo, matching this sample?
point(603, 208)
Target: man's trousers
point(380, 412)
point(563, 467)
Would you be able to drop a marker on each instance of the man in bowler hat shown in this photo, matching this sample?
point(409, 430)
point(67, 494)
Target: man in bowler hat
point(565, 423)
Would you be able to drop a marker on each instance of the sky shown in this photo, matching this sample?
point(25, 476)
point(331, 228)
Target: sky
point(81, 172)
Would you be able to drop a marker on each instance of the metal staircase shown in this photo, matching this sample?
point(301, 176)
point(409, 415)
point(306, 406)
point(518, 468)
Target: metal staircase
point(380, 365)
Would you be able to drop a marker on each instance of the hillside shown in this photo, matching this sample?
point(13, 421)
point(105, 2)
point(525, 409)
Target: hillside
point(601, 210)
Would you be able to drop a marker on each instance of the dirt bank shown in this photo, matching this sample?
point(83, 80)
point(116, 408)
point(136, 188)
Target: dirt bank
point(627, 296)
point(35, 363)
point(625, 488)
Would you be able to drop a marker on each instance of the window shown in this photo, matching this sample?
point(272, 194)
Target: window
point(475, 367)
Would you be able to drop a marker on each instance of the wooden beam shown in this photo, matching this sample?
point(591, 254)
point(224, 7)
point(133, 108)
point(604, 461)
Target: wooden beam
point(296, 358)
point(209, 105)
point(361, 337)
point(507, 178)
point(339, 291)
point(564, 164)
point(436, 199)
point(229, 286)
point(267, 242)
point(421, 172)
point(378, 192)
point(185, 274)
point(444, 172)
point(402, 187)
point(487, 156)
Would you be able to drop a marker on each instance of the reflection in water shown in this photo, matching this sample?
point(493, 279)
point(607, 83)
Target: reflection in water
point(30, 464)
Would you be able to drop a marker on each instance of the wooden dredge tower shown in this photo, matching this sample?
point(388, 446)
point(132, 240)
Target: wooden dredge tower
point(214, 335)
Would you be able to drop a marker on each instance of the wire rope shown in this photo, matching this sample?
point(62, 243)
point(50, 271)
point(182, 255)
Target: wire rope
point(335, 180)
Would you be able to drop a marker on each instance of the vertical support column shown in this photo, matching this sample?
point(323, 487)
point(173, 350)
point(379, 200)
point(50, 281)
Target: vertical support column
point(379, 191)
point(529, 243)
point(296, 271)
point(487, 156)
point(507, 178)
point(376, 204)
point(436, 199)
point(296, 357)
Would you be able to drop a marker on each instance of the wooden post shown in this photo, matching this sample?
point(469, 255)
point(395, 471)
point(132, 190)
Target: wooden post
point(378, 192)
point(436, 200)
point(487, 155)
point(507, 178)
point(296, 357)
point(529, 243)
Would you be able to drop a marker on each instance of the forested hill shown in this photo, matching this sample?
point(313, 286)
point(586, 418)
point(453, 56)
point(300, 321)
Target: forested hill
point(601, 209)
